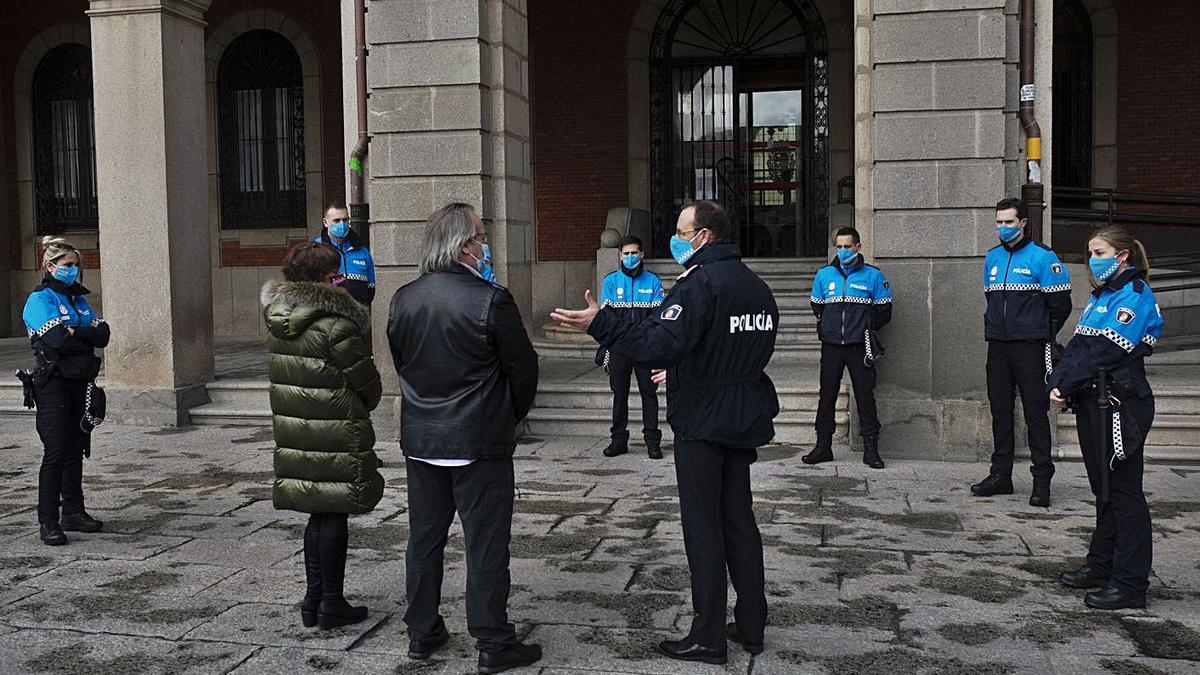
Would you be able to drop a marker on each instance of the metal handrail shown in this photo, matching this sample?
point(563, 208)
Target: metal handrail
point(1106, 206)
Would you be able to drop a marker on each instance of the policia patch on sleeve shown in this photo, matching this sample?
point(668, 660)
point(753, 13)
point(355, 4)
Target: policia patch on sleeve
point(1125, 315)
point(671, 313)
point(1056, 268)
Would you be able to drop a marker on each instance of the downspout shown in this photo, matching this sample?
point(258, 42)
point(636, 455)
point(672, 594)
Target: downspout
point(360, 211)
point(1032, 192)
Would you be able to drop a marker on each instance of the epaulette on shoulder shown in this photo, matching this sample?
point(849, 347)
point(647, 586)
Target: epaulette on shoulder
point(995, 247)
point(867, 264)
point(1043, 246)
point(1138, 286)
point(616, 271)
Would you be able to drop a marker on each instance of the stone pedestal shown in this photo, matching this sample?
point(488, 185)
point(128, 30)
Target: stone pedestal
point(148, 70)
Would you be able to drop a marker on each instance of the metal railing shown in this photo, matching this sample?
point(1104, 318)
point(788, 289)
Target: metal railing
point(1113, 206)
point(1183, 268)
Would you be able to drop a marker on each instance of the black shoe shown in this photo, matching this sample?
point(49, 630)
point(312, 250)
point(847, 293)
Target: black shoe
point(52, 535)
point(1041, 492)
point(618, 446)
point(871, 452)
point(337, 613)
point(686, 650)
point(423, 649)
point(734, 634)
point(308, 611)
point(80, 522)
point(993, 485)
point(1084, 577)
point(516, 656)
point(653, 450)
point(822, 452)
point(1114, 598)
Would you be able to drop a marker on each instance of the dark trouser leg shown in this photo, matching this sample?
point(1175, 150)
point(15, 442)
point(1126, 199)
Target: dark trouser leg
point(743, 545)
point(1134, 550)
point(698, 468)
point(832, 360)
point(1000, 391)
point(483, 493)
point(312, 558)
point(649, 392)
point(1028, 364)
point(430, 512)
point(619, 370)
point(53, 418)
point(1104, 536)
point(863, 380)
point(332, 543)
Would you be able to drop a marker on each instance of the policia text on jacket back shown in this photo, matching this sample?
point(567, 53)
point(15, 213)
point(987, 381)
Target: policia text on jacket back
point(851, 301)
point(1103, 374)
point(715, 334)
point(1028, 296)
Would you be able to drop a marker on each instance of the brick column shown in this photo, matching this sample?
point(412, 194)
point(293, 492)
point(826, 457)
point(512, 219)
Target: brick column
point(148, 74)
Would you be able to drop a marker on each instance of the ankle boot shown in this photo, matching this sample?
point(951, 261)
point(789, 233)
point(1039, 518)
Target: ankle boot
point(1041, 492)
point(871, 452)
point(312, 575)
point(52, 534)
point(80, 522)
point(654, 444)
point(618, 446)
point(823, 452)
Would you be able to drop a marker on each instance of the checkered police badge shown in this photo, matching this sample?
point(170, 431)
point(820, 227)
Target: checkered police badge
point(1056, 268)
point(671, 313)
point(1125, 315)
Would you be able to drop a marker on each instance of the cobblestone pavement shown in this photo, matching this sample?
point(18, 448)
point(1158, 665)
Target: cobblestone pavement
point(868, 572)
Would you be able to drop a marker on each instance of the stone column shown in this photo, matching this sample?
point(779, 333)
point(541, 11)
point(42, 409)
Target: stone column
point(930, 164)
point(148, 70)
point(449, 116)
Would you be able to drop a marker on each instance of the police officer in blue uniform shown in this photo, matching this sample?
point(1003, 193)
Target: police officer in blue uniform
point(1028, 295)
point(715, 334)
point(357, 268)
point(1118, 330)
point(850, 299)
point(64, 332)
point(633, 293)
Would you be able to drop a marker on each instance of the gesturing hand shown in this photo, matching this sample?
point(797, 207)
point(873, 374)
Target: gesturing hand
point(658, 375)
point(578, 319)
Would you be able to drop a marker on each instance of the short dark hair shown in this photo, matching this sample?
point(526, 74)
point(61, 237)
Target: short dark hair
point(710, 216)
point(847, 231)
point(335, 203)
point(310, 261)
point(630, 239)
point(1013, 203)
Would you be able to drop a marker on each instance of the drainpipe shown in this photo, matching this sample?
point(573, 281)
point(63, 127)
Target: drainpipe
point(1032, 192)
point(360, 211)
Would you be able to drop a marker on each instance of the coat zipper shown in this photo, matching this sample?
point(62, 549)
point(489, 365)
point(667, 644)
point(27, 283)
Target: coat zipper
point(1004, 310)
point(845, 280)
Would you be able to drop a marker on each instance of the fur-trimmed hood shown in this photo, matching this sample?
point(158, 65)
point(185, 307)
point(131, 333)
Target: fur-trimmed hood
point(308, 301)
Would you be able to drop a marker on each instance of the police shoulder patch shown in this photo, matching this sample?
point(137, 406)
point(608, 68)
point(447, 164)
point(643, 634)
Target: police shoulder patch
point(1056, 268)
point(887, 284)
point(671, 313)
point(1125, 315)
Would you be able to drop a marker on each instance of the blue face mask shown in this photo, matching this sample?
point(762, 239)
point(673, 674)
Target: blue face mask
point(484, 265)
point(67, 275)
point(631, 261)
point(681, 249)
point(1008, 234)
point(847, 256)
point(339, 229)
point(1103, 268)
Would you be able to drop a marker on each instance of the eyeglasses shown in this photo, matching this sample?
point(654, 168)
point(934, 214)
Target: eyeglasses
point(481, 238)
point(688, 234)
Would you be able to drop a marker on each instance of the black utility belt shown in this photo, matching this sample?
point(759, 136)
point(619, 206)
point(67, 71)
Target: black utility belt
point(1120, 385)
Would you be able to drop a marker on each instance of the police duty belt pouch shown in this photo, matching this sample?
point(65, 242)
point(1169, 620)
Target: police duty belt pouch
point(95, 404)
point(874, 347)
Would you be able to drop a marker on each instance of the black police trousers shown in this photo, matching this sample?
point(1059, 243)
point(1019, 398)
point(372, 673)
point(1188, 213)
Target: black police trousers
point(719, 533)
point(60, 407)
point(619, 370)
point(1121, 543)
point(482, 494)
point(1012, 367)
point(835, 358)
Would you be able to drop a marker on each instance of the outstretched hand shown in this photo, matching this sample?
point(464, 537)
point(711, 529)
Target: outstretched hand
point(578, 319)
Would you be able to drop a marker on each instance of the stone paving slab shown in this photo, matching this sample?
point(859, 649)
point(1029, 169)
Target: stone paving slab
point(73, 653)
point(277, 625)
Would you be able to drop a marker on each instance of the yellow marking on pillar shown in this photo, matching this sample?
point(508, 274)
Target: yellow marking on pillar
point(1033, 148)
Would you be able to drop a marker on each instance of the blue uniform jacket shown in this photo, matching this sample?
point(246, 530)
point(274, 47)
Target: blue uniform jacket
point(50, 309)
point(357, 265)
point(632, 296)
point(1118, 329)
point(1028, 293)
point(848, 302)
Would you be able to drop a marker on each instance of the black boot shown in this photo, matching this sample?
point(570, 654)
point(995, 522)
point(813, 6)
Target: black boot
point(994, 484)
point(312, 572)
point(618, 446)
point(654, 444)
point(1084, 577)
point(516, 656)
point(334, 611)
point(80, 522)
point(1041, 492)
point(52, 535)
point(823, 452)
point(1115, 598)
point(871, 452)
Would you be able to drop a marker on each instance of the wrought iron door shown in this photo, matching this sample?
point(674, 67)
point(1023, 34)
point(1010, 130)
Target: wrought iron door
point(1072, 114)
point(64, 145)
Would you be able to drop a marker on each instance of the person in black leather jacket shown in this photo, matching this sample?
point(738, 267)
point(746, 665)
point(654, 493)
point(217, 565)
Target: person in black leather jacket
point(468, 375)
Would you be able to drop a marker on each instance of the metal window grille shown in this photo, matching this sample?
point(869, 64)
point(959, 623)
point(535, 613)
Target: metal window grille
point(64, 145)
point(261, 133)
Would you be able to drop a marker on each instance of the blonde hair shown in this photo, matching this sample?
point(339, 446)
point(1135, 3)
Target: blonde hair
point(55, 248)
point(1120, 239)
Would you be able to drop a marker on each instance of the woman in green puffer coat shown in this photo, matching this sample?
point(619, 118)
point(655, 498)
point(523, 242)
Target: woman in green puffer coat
point(324, 386)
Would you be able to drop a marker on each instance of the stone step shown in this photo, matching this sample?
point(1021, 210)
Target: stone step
point(597, 396)
point(790, 427)
point(1166, 454)
point(1178, 431)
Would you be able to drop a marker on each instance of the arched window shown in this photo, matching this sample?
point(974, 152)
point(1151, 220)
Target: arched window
point(64, 147)
point(1072, 159)
point(260, 129)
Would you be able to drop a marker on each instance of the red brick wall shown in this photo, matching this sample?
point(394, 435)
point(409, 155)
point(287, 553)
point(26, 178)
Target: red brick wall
point(233, 254)
point(580, 120)
point(1158, 95)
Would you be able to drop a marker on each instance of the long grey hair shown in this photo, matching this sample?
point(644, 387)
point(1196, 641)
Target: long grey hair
point(446, 232)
